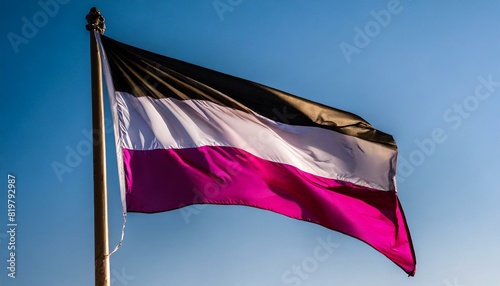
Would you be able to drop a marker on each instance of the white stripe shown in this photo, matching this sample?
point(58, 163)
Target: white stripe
point(148, 123)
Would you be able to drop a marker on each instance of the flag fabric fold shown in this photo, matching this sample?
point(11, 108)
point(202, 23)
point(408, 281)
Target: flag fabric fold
point(189, 135)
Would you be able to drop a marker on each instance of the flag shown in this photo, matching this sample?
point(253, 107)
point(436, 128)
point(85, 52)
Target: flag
point(190, 135)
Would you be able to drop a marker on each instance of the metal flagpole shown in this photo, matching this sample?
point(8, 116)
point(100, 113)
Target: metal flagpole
point(101, 246)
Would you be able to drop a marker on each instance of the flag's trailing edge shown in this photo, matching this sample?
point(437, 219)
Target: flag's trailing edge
point(189, 135)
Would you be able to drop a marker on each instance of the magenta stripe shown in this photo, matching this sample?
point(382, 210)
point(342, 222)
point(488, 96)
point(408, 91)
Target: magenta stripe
point(162, 180)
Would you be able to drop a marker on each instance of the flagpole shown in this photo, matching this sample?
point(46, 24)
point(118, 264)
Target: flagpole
point(101, 246)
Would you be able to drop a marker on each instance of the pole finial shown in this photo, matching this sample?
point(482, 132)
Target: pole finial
point(95, 21)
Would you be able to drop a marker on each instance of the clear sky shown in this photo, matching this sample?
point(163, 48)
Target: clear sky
point(426, 72)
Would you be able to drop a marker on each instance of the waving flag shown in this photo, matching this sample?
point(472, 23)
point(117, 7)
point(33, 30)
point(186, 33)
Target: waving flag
point(189, 135)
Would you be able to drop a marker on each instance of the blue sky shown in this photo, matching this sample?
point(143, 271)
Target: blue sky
point(428, 73)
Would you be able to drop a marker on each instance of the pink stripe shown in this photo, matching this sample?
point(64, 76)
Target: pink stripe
point(161, 180)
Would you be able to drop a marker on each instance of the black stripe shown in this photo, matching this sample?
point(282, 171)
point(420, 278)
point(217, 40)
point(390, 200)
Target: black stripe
point(142, 73)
